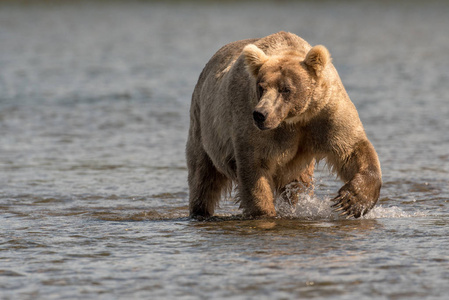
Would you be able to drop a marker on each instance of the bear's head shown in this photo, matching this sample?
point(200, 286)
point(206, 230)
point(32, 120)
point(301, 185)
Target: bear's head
point(290, 88)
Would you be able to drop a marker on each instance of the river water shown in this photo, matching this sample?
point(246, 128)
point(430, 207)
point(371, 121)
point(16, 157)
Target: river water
point(94, 100)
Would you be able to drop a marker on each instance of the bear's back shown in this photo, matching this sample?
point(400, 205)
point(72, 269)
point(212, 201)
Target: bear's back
point(282, 41)
point(273, 44)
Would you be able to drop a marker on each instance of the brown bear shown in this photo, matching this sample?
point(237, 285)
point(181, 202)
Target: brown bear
point(262, 113)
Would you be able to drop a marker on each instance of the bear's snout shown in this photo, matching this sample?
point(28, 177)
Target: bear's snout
point(259, 119)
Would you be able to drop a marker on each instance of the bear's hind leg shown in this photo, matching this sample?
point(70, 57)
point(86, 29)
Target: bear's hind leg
point(206, 185)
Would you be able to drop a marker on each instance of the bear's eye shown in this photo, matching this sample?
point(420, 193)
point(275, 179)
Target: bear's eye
point(285, 90)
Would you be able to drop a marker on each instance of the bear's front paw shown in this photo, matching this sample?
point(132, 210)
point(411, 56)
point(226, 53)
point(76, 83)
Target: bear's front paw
point(352, 202)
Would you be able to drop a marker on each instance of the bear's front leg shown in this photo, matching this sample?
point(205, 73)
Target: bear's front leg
point(255, 192)
point(362, 174)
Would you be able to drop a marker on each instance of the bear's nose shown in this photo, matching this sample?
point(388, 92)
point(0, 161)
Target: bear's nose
point(259, 117)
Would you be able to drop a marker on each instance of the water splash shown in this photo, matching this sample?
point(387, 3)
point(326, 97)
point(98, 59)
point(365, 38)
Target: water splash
point(392, 212)
point(312, 207)
point(308, 207)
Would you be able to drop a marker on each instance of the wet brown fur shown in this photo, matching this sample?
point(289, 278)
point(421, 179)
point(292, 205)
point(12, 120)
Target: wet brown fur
point(309, 117)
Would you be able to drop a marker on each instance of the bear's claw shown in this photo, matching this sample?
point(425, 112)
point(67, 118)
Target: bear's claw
point(346, 205)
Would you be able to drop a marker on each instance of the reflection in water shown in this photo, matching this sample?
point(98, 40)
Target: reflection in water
point(314, 255)
point(288, 229)
point(284, 239)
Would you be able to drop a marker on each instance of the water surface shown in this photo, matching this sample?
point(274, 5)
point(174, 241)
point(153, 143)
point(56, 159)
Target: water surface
point(94, 100)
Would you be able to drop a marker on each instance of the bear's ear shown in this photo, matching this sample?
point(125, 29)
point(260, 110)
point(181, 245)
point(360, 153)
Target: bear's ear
point(254, 58)
point(317, 58)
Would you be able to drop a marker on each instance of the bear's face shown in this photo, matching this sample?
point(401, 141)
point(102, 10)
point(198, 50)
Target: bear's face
point(284, 84)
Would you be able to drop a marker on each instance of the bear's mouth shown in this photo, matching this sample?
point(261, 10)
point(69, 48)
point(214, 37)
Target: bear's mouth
point(264, 125)
point(261, 126)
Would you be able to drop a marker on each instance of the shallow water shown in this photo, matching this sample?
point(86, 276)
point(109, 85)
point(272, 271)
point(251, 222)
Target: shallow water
point(94, 100)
